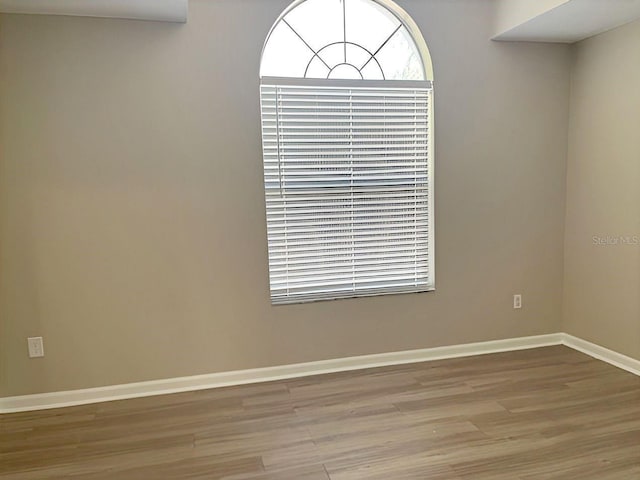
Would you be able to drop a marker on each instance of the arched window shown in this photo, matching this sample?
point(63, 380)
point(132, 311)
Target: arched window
point(347, 130)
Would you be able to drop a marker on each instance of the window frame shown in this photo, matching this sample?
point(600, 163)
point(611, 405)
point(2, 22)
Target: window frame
point(421, 45)
point(405, 19)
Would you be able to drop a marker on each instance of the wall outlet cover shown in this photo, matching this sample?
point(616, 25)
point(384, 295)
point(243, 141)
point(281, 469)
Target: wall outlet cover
point(36, 347)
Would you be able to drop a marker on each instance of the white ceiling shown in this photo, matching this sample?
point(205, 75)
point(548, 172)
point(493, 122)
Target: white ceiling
point(573, 21)
point(158, 10)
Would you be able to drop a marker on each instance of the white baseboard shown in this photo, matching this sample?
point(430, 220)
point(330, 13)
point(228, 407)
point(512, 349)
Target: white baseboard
point(601, 353)
point(44, 401)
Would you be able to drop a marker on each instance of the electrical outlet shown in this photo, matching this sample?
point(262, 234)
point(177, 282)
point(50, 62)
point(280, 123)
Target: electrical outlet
point(36, 347)
point(517, 301)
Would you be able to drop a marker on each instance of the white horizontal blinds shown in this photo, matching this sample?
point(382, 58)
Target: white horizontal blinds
point(347, 190)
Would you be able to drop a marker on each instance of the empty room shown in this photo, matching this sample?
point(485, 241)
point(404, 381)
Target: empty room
point(320, 239)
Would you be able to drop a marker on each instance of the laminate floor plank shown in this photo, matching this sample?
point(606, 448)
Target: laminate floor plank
point(541, 414)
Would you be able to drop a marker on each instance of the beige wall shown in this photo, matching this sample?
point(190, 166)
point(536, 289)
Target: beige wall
point(602, 267)
point(132, 212)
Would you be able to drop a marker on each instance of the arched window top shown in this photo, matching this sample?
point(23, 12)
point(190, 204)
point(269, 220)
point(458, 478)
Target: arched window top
point(346, 39)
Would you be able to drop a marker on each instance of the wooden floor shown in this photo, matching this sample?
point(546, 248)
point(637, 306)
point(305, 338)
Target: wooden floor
point(549, 413)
